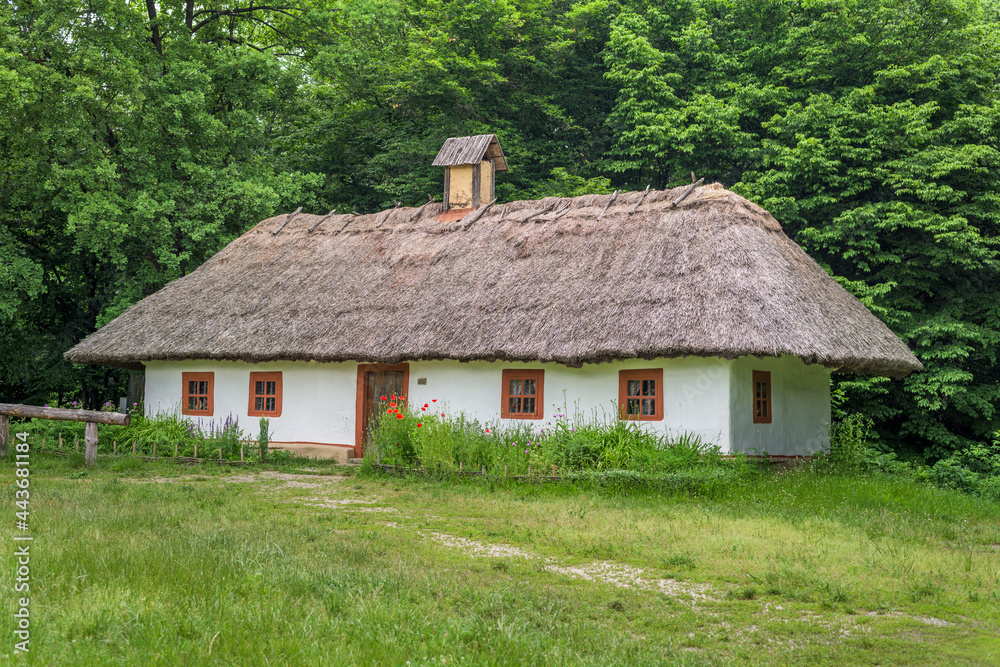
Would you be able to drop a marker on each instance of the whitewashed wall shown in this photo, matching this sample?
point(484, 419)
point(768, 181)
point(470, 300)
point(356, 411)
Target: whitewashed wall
point(696, 392)
point(800, 397)
point(706, 396)
point(317, 399)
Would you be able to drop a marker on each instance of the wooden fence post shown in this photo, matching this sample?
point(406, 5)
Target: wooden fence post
point(4, 434)
point(114, 447)
point(90, 443)
point(220, 454)
point(60, 441)
point(196, 450)
point(175, 450)
point(154, 450)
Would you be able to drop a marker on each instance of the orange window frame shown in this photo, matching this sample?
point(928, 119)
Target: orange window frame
point(265, 377)
point(505, 398)
point(208, 394)
point(762, 400)
point(642, 376)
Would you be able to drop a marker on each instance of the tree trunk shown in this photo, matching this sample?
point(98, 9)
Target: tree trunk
point(157, 41)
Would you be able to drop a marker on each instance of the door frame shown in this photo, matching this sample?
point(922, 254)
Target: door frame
point(359, 419)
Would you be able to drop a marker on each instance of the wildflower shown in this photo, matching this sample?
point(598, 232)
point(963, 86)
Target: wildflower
point(424, 409)
point(434, 400)
point(392, 405)
point(442, 414)
point(426, 405)
point(487, 430)
point(383, 398)
point(419, 424)
point(46, 405)
point(399, 416)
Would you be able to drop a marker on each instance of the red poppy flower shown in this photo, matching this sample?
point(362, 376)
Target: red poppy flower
point(487, 430)
point(434, 400)
point(423, 409)
point(426, 405)
point(383, 398)
point(442, 414)
point(392, 405)
point(399, 416)
point(419, 424)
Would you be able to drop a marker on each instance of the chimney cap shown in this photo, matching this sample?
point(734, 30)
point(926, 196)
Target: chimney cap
point(471, 150)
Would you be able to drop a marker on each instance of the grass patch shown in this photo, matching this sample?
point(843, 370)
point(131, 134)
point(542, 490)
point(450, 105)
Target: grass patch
point(203, 566)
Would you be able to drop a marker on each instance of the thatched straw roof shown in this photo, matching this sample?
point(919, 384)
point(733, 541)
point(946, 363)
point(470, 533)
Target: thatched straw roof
point(545, 280)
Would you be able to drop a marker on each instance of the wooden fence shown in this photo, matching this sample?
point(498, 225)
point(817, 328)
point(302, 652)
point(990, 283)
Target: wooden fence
point(91, 417)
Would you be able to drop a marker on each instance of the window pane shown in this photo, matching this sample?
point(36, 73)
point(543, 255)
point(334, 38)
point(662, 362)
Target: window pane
point(632, 407)
point(192, 403)
point(649, 406)
point(271, 388)
point(258, 403)
point(757, 387)
point(633, 388)
point(203, 403)
point(515, 405)
point(515, 387)
point(203, 388)
point(529, 387)
point(649, 387)
point(258, 388)
point(757, 408)
point(270, 405)
point(529, 406)
point(192, 387)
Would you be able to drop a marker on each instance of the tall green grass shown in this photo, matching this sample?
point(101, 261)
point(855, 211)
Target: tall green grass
point(425, 435)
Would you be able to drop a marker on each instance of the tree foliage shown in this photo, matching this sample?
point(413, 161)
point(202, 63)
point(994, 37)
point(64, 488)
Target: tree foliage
point(136, 140)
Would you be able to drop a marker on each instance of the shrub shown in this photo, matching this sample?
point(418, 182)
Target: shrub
point(850, 440)
point(974, 470)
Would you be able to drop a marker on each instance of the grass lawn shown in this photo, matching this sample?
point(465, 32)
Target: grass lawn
point(160, 564)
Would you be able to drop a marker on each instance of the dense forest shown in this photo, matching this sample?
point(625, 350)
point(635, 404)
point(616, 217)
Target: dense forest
point(136, 139)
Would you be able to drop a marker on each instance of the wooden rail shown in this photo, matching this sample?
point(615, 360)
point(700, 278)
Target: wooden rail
point(91, 417)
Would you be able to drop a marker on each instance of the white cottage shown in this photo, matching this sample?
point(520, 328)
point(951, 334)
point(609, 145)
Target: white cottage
point(688, 308)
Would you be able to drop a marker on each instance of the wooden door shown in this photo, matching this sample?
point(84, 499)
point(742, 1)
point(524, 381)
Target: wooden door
point(374, 382)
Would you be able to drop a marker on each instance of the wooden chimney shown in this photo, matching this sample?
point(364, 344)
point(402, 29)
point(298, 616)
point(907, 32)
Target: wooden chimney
point(470, 168)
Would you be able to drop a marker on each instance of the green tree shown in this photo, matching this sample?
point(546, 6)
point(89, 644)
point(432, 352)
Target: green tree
point(870, 130)
point(133, 147)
